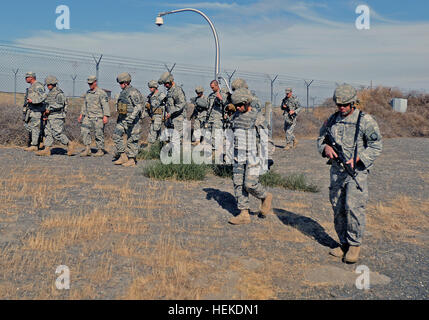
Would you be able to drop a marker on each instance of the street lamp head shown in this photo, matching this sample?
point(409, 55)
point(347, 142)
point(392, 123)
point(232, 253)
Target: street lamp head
point(159, 21)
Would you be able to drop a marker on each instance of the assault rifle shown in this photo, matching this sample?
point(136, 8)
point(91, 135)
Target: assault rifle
point(25, 108)
point(286, 108)
point(340, 159)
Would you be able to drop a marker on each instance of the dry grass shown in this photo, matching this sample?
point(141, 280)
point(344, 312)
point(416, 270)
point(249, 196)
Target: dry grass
point(400, 219)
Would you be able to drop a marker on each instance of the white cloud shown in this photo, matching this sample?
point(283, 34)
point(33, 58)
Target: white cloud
point(390, 54)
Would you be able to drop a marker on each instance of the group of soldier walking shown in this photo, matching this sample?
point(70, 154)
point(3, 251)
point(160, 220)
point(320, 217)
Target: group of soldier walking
point(356, 133)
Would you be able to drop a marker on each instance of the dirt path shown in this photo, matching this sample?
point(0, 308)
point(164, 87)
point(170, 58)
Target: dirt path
point(125, 236)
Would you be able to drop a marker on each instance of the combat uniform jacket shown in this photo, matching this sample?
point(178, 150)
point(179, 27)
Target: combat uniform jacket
point(293, 104)
point(201, 105)
point(56, 104)
point(96, 104)
point(369, 143)
point(176, 103)
point(216, 108)
point(134, 101)
point(36, 92)
point(156, 101)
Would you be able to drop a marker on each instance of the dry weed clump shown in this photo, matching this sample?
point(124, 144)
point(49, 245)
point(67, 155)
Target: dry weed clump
point(402, 219)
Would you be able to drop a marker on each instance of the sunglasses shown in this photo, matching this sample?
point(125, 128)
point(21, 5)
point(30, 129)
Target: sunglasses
point(343, 105)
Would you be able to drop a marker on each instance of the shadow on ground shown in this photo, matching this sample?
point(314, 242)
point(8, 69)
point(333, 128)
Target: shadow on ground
point(224, 199)
point(307, 226)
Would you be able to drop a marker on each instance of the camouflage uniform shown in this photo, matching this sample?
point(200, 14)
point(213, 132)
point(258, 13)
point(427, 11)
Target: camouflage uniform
point(155, 102)
point(95, 107)
point(128, 123)
point(176, 107)
point(200, 111)
point(56, 104)
point(289, 125)
point(247, 166)
point(348, 202)
point(36, 92)
point(215, 111)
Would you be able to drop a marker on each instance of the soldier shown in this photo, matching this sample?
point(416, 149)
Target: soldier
point(34, 106)
point(291, 107)
point(56, 108)
point(175, 106)
point(130, 107)
point(246, 168)
point(155, 108)
point(360, 138)
point(94, 115)
point(200, 110)
point(215, 114)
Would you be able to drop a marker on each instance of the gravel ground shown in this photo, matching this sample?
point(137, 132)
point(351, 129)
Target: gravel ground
point(281, 257)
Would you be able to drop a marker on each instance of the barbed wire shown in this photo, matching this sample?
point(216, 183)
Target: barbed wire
point(72, 67)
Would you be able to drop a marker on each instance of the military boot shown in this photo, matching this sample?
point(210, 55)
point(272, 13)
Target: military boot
point(31, 148)
point(266, 205)
point(86, 152)
point(122, 159)
point(70, 148)
point(295, 143)
point(340, 251)
point(242, 218)
point(45, 152)
point(99, 153)
point(130, 163)
point(352, 255)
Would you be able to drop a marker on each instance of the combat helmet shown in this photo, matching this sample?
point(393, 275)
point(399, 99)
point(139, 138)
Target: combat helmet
point(166, 77)
point(238, 83)
point(240, 96)
point(199, 89)
point(51, 80)
point(124, 77)
point(152, 84)
point(345, 94)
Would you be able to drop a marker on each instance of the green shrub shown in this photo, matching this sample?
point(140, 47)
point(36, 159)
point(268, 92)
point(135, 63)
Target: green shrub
point(296, 181)
point(222, 170)
point(152, 154)
point(160, 171)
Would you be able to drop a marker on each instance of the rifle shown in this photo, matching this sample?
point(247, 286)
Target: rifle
point(25, 108)
point(287, 109)
point(340, 159)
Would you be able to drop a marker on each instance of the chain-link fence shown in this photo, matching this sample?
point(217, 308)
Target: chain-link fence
point(73, 67)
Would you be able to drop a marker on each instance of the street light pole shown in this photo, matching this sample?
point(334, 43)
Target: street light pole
point(160, 21)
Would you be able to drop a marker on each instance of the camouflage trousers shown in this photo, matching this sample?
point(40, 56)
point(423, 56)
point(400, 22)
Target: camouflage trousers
point(246, 180)
point(349, 204)
point(177, 125)
point(55, 130)
point(155, 128)
point(34, 126)
point(212, 127)
point(93, 124)
point(132, 133)
point(289, 127)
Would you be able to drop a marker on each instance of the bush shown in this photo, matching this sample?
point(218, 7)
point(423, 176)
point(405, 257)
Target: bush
point(152, 154)
point(181, 172)
point(221, 170)
point(293, 182)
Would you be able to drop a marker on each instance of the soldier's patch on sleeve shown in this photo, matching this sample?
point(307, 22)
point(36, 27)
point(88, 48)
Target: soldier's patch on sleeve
point(60, 99)
point(373, 136)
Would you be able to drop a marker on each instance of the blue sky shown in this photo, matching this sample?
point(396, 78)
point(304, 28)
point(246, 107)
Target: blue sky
point(308, 38)
point(27, 17)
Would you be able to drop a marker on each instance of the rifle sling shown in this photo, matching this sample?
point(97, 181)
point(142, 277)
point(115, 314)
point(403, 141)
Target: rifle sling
point(355, 139)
